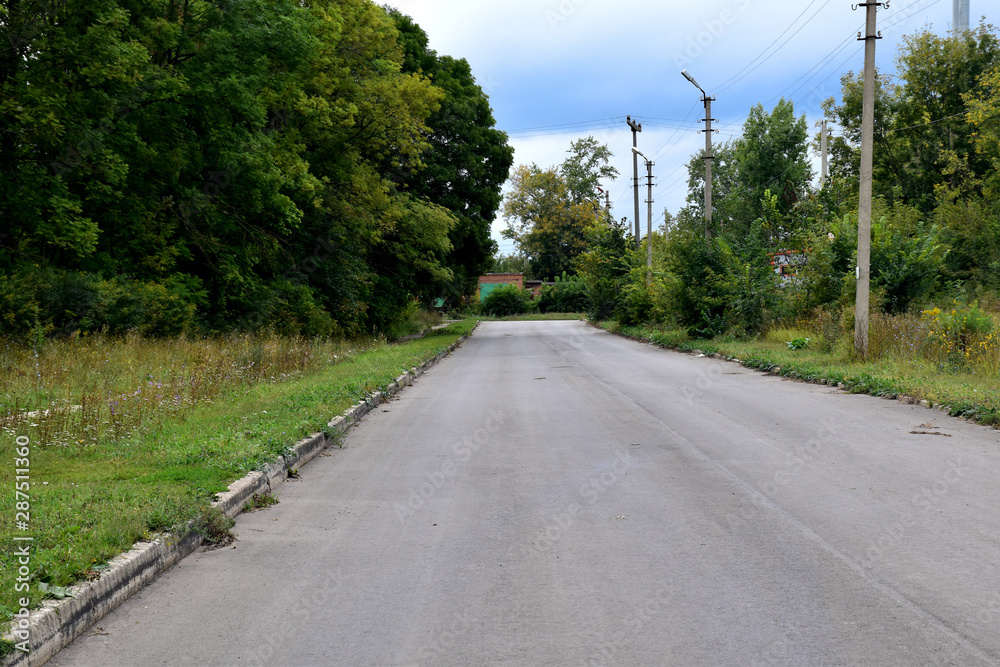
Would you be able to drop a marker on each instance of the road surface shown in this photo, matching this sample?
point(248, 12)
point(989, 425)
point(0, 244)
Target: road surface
point(551, 494)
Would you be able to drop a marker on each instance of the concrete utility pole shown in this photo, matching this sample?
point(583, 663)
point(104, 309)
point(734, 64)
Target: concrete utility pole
point(960, 17)
point(824, 170)
point(708, 152)
point(861, 308)
point(649, 215)
point(636, 127)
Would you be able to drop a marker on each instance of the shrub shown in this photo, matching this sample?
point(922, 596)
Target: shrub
point(568, 295)
point(505, 300)
point(905, 265)
point(604, 268)
point(63, 302)
point(720, 285)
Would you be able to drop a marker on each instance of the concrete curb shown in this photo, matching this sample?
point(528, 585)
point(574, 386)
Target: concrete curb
point(58, 622)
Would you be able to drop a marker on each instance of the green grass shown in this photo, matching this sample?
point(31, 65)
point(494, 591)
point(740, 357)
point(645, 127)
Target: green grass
point(967, 394)
point(93, 500)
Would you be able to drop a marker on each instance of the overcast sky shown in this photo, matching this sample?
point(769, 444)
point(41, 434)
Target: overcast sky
point(560, 70)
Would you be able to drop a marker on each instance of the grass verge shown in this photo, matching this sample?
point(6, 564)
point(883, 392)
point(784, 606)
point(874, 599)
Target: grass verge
point(969, 395)
point(91, 502)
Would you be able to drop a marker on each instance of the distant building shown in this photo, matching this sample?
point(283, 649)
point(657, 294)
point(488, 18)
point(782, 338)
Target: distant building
point(491, 281)
point(786, 263)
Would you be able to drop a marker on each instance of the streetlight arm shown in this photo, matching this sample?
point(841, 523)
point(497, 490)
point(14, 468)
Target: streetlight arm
point(687, 75)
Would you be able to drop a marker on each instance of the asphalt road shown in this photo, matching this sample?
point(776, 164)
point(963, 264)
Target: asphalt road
point(554, 495)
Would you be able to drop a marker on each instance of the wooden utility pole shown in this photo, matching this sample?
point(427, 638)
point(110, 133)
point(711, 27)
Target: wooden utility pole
point(861, 305)
point(636, 128)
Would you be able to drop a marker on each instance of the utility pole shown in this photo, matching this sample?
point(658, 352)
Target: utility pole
point(709, 157)
point(636, 128)
point(824, 170)
point(960, 17)
point(861, 307)
point(649, 214)
point(708, 151)
point(649, 223)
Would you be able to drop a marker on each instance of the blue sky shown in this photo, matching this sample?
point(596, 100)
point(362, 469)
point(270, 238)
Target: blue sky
point(561, 70)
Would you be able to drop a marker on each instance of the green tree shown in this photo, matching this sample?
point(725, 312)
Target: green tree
point(587, 165)
point(725, 206)
point(605, 266)
point(771, 156)
point(541, 217)
point(922, 138)
point(241, 157)
point(466, 164)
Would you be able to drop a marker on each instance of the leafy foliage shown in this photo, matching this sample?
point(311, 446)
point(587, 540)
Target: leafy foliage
point(236, 166)
point(605, 267)
point(505, 300)
point(547, 211)
point(541, 217)
point(465, 165)
point(920, 124)
point(567, 295)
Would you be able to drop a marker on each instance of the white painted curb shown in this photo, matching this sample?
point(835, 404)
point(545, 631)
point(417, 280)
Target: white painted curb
point(58, 622)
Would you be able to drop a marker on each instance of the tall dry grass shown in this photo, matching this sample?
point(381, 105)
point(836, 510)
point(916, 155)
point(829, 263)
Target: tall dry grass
point(962, 339)
point(90, 389)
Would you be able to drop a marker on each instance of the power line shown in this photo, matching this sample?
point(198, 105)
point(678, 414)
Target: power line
point(751, 66)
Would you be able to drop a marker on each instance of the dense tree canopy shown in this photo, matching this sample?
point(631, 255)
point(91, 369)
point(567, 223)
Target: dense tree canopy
point(235, 165)
point(922, 136)
point(466, 164)
point(770, 158)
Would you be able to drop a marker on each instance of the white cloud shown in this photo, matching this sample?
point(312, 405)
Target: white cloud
point(550, 62)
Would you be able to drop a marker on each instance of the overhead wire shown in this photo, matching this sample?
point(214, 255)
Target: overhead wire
point(751, 66)
point(730, 128)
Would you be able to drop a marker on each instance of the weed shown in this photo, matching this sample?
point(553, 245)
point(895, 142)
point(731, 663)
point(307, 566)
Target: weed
point(215, 527)
point(260, 501)
point(798, 343)
point(964, 338)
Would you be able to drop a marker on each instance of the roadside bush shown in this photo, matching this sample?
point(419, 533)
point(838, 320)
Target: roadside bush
point(604, 268)
point(719, 285)
point(695, 270)
point(905, 263)
point(63, 302)
point(506, 300)
point(568, 295)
